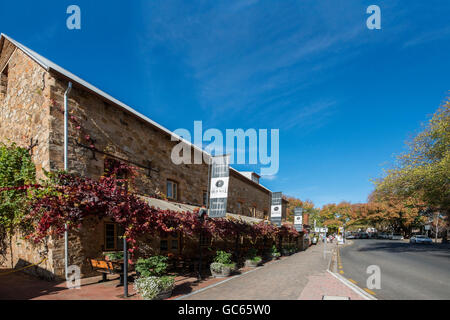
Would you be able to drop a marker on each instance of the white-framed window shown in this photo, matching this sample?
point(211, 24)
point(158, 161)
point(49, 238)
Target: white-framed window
point(172, 190)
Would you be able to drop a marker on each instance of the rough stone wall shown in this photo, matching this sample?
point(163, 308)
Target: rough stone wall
point(123, 135)
point(247, 194)
point(24, 111)
point(23, 253)
point(24, 115)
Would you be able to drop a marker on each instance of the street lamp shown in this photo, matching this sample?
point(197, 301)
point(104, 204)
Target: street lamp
point(201, 216)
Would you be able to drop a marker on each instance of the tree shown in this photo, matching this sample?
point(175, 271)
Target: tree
point(423, 172)
point(307, 205)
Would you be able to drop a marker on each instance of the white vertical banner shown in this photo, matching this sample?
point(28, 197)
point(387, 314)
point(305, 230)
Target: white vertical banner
point(298, 219)
point(276, 208)
point(218, 192)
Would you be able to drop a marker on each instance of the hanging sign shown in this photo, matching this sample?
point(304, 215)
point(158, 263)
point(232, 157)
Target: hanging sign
point(276, 208)
point(218, 192)
point(298, 218)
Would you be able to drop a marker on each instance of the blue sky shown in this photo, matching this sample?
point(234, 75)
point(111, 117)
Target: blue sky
point(344, 97)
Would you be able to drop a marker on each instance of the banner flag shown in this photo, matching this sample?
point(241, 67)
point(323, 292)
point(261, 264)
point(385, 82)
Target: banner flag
point(276, 208)
point(298, 218)
point(218, 192)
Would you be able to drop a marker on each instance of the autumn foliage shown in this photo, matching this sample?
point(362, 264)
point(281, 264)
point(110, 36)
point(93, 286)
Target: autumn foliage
point(70, 199)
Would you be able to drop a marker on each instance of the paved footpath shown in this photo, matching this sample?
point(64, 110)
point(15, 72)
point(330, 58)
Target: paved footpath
point(303, 275)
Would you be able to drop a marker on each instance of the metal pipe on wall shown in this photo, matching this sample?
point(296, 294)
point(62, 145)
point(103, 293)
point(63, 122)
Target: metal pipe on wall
point(66, 161)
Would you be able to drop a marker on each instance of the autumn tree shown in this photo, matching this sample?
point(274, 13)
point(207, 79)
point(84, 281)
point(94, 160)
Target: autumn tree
point(307, 205)
point(423, 172)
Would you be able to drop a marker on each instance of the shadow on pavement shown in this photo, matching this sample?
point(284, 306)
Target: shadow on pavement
point(442, 250)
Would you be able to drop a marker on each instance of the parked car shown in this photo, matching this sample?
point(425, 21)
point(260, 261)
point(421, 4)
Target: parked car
point(382, 235)
point(314, 240)
point(420, 239)
point(364, 235)
point(396, 236)
point(350, 236)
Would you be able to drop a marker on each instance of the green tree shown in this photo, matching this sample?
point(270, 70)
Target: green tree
point(423, 172)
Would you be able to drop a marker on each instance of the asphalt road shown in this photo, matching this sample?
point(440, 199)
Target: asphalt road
point(408, 271)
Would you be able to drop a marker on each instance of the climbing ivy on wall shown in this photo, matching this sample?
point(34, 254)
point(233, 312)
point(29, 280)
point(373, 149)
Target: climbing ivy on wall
point(17, 174)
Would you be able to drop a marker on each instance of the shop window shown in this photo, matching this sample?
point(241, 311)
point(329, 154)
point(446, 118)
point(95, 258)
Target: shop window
point(170, 243)
point(113, 237)
point(172, 190)
point(164, 245)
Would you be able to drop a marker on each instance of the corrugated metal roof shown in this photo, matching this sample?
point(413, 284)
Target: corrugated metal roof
point(181, 207)
point(50, 66)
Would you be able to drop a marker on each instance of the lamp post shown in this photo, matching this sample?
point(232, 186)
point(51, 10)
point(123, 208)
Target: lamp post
point(125, 268)
point(201, 216)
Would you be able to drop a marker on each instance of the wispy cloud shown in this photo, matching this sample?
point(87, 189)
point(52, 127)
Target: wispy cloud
point(429, 36)
point(248, 57)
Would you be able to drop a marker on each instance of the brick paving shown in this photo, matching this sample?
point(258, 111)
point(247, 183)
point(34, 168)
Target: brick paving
point(21, 286)
point(301, 276)
point(325, 284)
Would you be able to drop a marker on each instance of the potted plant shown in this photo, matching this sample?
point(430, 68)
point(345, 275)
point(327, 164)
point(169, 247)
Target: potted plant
point(153, 283)
point(275, 253)
point(253, 260)
point(110, 256)
point(222, 265)
point(285, 250)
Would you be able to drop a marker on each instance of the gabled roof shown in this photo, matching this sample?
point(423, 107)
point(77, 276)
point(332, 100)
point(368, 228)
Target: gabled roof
point(53, 67)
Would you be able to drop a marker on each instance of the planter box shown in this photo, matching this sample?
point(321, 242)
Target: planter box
point(164, 295)
point(252, 264)
point(226, 271)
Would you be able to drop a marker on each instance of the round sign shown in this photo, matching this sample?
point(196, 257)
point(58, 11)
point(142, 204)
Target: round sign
point(219, 183)
point(275, 209)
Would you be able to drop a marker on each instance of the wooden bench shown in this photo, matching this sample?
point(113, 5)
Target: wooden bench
point(104, 267)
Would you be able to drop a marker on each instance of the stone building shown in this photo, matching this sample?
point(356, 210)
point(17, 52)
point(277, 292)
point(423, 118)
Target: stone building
point(102, 130)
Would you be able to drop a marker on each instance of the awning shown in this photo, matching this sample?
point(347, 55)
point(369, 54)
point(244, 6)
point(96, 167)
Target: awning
point(181, 207)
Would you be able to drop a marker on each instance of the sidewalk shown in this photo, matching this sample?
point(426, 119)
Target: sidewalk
point(303, 275)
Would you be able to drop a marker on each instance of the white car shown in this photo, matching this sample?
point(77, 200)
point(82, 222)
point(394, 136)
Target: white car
point(420, 239)
point(396, 236)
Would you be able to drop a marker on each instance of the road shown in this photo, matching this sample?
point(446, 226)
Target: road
point(408, 271)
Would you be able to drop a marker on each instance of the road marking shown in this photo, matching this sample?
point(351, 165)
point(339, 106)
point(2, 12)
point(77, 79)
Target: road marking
point(352, 286)
point(369, 291)
point(353, 281)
